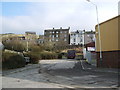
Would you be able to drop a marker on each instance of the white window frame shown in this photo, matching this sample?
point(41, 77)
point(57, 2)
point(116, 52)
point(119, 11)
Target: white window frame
point(65, 39)
point(56, 39)
point(57, 35)
point(65, 35)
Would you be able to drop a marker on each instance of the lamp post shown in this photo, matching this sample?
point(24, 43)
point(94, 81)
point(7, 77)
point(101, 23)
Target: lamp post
point(27, 44)
point(98, 30)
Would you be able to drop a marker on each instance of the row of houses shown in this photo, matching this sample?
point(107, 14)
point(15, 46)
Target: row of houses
point(110, 43)
point(30, 37)
point(27, 36)
point(56, 36)
point(78, 37)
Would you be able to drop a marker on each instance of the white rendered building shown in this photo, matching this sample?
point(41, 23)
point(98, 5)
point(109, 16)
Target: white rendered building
point(77, 38)
point(82, 37)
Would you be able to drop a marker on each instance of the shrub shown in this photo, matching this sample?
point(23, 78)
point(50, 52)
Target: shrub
point(6, 56)
point(59, 55)
point(48, 55)
point(34, 57)
point(14, 45)
point(36, 48)
point(12, 60)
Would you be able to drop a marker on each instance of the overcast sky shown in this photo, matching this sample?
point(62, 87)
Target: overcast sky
point(38, 15)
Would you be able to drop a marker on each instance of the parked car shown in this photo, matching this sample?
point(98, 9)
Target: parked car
point(71, 54)
point(27, 60)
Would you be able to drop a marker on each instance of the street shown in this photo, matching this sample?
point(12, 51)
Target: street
point(60, 74)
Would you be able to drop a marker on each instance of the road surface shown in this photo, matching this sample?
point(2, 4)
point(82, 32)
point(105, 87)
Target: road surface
point(60, 74)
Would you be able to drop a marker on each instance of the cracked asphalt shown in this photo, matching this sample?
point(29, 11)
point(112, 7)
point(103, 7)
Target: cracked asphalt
point(60, 74)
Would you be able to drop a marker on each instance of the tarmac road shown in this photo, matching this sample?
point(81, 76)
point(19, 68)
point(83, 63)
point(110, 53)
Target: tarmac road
point(60, 74)
point(81, 74)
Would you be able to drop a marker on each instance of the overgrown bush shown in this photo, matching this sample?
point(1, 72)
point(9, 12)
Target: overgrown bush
point(34, 57)
point(37, 48)
point(48, 55)
point(14, 45)
point(59, 55)
point(12, 60)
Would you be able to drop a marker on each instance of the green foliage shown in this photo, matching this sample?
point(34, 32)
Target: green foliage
point(36, 48)
point(14, 45)
point(12, 60)
point(34, 57)
point(34, 54)
point(48, 55)
point(19, 47)
point(59, 55)
point(48, 46)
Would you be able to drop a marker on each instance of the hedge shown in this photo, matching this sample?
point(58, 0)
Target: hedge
point(36, 56)
point(12, 60)
point(49, 55)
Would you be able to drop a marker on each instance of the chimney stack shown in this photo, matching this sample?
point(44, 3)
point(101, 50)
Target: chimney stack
point(60, 27)
point(68, 27)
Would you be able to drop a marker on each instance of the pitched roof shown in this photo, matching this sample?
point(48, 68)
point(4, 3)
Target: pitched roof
point(91, 44)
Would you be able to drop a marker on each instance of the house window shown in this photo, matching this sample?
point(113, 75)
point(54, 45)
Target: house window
point(74, 40)
point(52, 39)
point(53, 36)
point(56, 31)
point(65, 39)
point(65, 31)
point(65, 35)
point(60, 31)
point(56, 39)
point(88, 35)
point(56, 35)
point(80, 40)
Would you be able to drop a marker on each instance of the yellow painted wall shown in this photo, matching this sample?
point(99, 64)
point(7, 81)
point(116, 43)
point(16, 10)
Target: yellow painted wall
point(109, 35)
